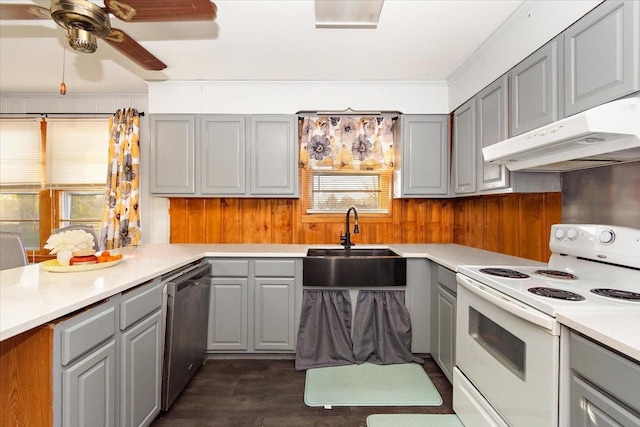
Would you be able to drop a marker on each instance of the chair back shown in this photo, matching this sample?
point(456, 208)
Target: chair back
point(12, 253)
point(86, 228)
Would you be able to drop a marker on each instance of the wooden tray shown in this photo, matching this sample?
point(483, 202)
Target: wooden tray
point(54, 266)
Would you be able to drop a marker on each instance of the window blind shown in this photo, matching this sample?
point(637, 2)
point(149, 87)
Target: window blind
point(20, 152)
point(77, 151)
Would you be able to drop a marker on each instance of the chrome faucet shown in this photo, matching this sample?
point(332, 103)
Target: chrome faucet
point(345, 239)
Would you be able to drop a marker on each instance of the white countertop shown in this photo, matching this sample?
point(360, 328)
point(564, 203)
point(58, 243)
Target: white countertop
point(30, 296)
point(615, 328)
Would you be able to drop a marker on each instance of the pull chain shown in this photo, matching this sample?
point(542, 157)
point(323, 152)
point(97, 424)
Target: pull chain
point(63, 86)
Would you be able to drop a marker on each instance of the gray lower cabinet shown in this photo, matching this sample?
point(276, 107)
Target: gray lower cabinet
point(417, 300)
point(224, 155)
point(492, 123)
point(254, 305)
point(421, 165)
point(603, 387)
point(141, 349)
point(464, 148)
point(107, 362)
point(602, 56)
point(534, 89)
point(443, 319)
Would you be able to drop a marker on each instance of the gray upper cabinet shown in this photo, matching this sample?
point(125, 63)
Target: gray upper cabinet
point(273, 150)
point(173, 154)
point(223, 155)
point(492, 126)
point(533, 90)
point(602, 56)
point(422, 156)
point(237, 155)
point(464, 148)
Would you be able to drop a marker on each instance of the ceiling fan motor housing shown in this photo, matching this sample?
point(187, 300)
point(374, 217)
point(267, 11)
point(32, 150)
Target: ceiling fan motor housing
point(84, 22)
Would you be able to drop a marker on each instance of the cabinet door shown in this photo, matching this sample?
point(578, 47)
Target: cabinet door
point(424, 156)
point(173, 154)
point(223, 158)
point(464, 148)
point(274, 321)
point(228, 318)
point(601, 56)
point(533, 90)
point(446, 307)
point(89, 389)
point(141, 372)
point(274, 156)
point(493, 126)
point(592, 407)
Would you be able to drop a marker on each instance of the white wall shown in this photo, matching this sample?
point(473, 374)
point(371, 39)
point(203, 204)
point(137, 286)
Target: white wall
point(289, 97)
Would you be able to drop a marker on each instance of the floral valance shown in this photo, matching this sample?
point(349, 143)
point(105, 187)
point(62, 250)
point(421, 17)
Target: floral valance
point(347, 143)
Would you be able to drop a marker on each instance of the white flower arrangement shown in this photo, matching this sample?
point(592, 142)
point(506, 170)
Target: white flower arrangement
point(71, 240)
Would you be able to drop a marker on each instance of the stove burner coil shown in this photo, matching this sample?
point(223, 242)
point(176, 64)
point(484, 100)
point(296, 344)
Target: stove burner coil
point(617, 293)
point(556, 274)
point(556, 293)
point(504, 272)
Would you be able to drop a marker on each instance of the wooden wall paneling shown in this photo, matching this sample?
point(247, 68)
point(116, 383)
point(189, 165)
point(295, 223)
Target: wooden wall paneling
point(459, 222)
point(284, 226)
point(532, 226)
point(178, 215)
point(233, 221)
point(26, 382)
point(196, 219)
point(494, 220)
point(511, 240)
point(477, 222)
point(213, 221)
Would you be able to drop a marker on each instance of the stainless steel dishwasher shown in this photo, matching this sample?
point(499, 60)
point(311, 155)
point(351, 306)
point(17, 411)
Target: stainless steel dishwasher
point(187, 315)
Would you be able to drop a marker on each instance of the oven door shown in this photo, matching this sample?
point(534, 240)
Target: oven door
point(510, 353)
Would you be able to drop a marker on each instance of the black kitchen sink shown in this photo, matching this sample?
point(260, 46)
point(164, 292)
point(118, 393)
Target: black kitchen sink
point(351, 253)
point(353, 268)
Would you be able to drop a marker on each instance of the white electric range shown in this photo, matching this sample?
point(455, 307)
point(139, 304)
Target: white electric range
point(507, 337)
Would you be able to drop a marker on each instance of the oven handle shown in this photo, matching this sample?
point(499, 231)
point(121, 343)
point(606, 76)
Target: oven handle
point(514, 307)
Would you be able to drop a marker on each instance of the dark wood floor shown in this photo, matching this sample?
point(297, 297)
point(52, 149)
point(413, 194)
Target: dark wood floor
point(270, 393)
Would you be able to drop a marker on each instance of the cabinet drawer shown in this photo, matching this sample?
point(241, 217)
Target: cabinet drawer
point(279, 268)
point(447, 278)
point(230, 268)
point(611, 372)
point(86, 332)
point(140, 303)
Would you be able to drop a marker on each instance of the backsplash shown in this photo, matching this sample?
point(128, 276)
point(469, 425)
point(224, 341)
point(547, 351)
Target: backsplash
point(604, 195)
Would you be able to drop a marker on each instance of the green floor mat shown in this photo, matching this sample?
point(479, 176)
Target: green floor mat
point(413, 420)
point(370, 385)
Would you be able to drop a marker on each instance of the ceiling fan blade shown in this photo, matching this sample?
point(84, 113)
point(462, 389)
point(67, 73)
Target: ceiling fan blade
point(162, 10)
point(124, 44)
point(23, 11)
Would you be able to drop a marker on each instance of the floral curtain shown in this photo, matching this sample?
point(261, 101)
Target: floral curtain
point(121, 217)
point(347, 143)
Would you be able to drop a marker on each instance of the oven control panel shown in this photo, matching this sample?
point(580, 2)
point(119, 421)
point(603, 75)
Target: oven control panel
point(608, 243)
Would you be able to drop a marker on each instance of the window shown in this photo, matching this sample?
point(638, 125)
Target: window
point(347, 161)
point(330, 192)
point(81, 207)
point(68, 158)
point(21, 212)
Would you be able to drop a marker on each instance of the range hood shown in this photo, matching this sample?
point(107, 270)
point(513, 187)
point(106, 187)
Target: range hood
point(604, 135)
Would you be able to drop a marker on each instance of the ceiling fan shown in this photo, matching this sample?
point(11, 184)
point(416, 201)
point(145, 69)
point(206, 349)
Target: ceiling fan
point(85, 22)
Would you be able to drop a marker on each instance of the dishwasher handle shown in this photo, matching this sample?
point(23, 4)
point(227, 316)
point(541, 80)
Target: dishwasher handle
point(188, 279)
